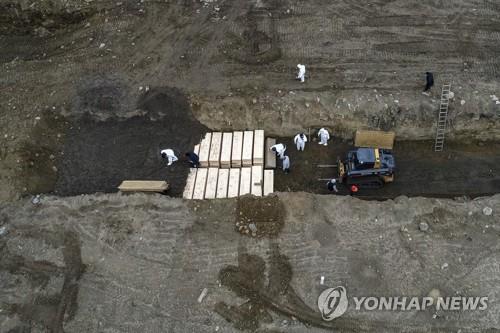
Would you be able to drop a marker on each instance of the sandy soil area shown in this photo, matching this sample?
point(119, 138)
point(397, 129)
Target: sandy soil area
point(140, 262)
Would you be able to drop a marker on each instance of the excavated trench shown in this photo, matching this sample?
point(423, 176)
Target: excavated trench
point(113, 151)
point(97, 155)
point(463, 169)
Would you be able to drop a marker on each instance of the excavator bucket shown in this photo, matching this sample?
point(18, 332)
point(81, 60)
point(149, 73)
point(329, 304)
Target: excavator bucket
point(374, 139)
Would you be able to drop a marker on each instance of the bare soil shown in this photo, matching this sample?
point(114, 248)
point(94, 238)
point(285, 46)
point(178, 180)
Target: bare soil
point(235, 62)
point(266, 215)
point(90, 92)
point(461, 170)
point(99, 155)
point(147, 259)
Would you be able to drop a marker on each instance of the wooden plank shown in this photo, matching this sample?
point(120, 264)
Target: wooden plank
point(374, 139)
point(270, 155)
point(199, 187)
point(257, 181)
point(227, 146)
point(237, 149)
point(245, 181)
point(196, 149)
point(246, 158)
point(205, 150)
point(268, 182)
point(222, 183)
point(234, 183)
point(190, 182)
point(258, 147)
point(143, 186)
point(215, 146)
point(211, 188)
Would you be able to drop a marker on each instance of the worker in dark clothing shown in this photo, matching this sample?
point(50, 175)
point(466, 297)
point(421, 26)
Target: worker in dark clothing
point(332, 185)
point(429, 81)
point(193, 159)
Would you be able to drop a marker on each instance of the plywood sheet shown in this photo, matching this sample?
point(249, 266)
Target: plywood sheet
point(143, 186)
point(211, 188)
point(245, 181)
point(237, 149)
point(258, 147)
point(246, 158)
point(257, 181)
point(201, 180)
point(222, 183)
point(190, 183)
point(227, 146)
point(270, 155)
point(205, 149)
point(268, 182)
point(234, 183)
point(374, 139)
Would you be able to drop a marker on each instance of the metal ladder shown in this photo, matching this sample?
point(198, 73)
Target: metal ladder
point(442, 117)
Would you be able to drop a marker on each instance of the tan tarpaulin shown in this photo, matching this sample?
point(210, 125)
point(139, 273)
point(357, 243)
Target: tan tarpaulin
point(374, 139)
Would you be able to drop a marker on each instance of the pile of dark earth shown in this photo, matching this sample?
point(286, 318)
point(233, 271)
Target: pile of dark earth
point(99, 155)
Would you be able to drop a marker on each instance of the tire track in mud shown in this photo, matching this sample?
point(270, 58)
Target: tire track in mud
point(44, 309)
point(247, 280)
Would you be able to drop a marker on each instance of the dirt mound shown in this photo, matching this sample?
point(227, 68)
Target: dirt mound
point(259, 217)
point(98, 155)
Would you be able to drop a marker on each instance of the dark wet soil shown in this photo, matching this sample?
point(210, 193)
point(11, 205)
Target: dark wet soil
point(248, 280)
point(37, 171)
point(462, 169)
point(99, 155)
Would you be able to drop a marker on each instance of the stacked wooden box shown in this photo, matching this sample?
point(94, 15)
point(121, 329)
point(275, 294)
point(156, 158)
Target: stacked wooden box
point(232, 165)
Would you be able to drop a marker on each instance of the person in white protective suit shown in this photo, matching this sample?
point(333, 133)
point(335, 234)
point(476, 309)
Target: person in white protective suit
point(169, 155)
point(279, 149)
point(286, 164)
point(300, 140)
point(302, 72)
point(324, 136)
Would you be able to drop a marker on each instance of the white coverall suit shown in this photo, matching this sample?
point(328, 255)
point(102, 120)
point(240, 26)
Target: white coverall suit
point(286, 163)
point(279, 149)
point(300, 140)
point(302, 72)
point(170, 155)
point(324, 136)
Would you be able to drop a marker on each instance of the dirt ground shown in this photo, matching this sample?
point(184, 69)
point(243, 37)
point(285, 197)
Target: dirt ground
point(99, 155)
point(90, 91)
point(462, 169)
point(139, 263)
point(235, 62)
